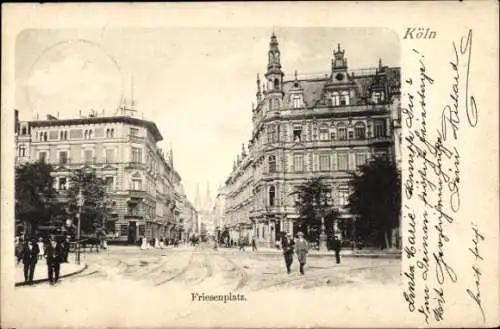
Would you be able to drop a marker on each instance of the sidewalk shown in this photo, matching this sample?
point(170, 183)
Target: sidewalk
point(41, 271)
point(371, 253)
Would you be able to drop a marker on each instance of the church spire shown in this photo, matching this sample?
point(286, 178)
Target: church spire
point(197, 199)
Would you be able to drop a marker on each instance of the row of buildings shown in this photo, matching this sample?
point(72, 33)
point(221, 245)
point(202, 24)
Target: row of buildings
point(305, 126)
point(145, 190)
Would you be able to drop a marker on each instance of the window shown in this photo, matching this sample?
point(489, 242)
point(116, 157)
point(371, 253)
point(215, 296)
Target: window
point(379, 128)
point(90, 134)
point(298, 162)
point(335, 99)
point(63, 157)
point(63, 135)
point(110, 133)
point(136, 184)
point(136, 155)
point(86, 134)
point(343, 198)
point(134, 131)
point(23, 131)
point(272, 163)
point(42, 156)
point(377, 97)
point(296, 101)
point(342, 133)
point(109, 181)
point(87, 156)
point(360, 159)
point(123, 229)
point(324, 162)
point(297, 134)
point(271, 134)
point(276, 104)
point(110, 156)
point(324, 134)
point(344, 98)
point(44, 136)
point(360, 130)
point(22, 150)
point(351, 134)
point(343, 162)
point(272, 196)
point(62, 183)
point(276, 84)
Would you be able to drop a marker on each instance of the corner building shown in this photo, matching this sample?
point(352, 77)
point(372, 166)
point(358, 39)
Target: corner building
point(307, 126)
point(141, 180)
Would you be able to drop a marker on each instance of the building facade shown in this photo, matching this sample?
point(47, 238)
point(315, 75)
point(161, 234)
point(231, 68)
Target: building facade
point(307, 126)
point(141, 180)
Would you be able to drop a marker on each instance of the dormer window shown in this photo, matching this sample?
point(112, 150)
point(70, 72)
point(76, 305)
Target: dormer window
point(344, 98)
point(296, 101)
point(335, 99)
point(378, 97)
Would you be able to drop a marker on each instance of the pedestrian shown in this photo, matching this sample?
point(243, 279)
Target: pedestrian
point(241, 244)
point(254, 244)
point(54, 254)
point(65, 247)
point(41, 248)
point(337, 245)
point(19, 249)
point(287, 245)
point(301, 248)
point(30, 258)
point(145, 244)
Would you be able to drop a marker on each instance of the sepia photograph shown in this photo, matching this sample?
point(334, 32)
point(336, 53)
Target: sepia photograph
point(215, 176)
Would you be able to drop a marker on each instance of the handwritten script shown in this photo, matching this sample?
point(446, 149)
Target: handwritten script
point(433, 176)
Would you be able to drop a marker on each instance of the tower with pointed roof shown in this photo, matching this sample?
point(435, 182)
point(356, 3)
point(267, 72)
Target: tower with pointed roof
point(274, 75)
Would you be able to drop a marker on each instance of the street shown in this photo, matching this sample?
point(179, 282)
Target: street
point(126, 286)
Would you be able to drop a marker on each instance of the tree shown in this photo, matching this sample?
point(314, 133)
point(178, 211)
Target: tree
point(312, 203)
point(376, 198)
point(96, 208)
point(35, 195)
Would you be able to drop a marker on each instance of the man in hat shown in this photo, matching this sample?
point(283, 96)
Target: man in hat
point(287, 245)
point(301, 248)
point(54, 253)
point(30, 258)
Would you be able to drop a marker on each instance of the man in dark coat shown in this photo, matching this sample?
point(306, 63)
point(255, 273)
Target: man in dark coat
point(287, 245)
point(65, 247)
point(337, 245)
point(30, 258)
point(54, 254)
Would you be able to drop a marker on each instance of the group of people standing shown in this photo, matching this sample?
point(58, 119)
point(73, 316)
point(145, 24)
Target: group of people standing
point(161, 243)
point(55, 251)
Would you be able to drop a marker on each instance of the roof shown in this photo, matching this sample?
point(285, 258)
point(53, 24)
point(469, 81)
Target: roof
point(386, 78)
point(151, 126)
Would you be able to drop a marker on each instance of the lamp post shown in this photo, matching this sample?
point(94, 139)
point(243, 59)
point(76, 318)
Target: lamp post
point(322, 234)
point(79, 202)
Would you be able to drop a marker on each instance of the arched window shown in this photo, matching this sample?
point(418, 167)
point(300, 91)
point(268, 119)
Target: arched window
point(61, 135)
point(272, 196)
point(342, 132)
point(107, 133)
point(45, 136)
point(360, 130)
point(112, 132)
point(23, 130)
point(86, 134)
point(90, 134)
point(276, 84)
point(272, 163)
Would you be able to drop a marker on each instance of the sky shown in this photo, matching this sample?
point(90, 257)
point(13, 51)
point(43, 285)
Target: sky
point(196, 84)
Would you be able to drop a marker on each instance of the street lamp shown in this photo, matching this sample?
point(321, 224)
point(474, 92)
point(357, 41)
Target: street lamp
point(322, 235)
point(79, 202)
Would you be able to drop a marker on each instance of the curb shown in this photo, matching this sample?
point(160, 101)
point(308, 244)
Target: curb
point(20, 284)
point(389, 255)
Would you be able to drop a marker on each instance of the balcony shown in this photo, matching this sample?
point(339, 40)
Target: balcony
point(330, 143)
point(135, 139)
point(136, 195)
point(135, 165)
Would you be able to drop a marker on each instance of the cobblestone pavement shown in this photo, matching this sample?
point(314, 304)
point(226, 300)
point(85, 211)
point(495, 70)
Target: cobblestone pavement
point(126, 286)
